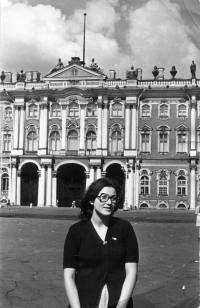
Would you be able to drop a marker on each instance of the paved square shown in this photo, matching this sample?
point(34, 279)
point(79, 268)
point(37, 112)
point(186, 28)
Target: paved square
point(32, 249)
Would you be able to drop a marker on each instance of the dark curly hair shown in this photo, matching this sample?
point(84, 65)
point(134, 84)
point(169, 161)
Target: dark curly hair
point(91, 194)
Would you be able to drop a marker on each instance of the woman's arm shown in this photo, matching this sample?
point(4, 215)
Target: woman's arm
point(70, 287)
point(128, 285)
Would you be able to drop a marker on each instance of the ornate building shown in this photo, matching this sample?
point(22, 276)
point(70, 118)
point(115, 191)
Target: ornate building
point(75, 125)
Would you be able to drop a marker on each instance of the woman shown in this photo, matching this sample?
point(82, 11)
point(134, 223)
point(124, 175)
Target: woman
point(101, 252)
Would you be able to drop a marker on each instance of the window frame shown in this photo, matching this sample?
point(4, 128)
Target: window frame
point(4, 113)
point(58, 110)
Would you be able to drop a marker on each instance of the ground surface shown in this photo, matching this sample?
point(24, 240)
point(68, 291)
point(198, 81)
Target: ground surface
point(32, 247)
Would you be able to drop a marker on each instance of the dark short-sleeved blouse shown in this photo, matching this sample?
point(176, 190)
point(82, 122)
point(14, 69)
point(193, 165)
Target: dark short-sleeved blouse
point(97, 262)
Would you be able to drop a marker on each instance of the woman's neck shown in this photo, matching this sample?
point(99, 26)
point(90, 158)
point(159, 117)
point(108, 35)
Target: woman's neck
point(100, 220)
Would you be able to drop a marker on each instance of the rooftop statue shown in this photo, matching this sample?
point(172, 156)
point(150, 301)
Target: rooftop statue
point(21, 76)
point(58, 66)
point(193, 70)
point(132, 74)
point(3, 76)
point(155, 71)
point(95, 67)
point(173, 71)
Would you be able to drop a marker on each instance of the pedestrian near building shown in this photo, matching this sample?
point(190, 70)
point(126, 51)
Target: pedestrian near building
point(73, 204)
point(100, 252)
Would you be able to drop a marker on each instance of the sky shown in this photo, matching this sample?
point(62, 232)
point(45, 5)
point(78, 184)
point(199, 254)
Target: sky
point(119, 34)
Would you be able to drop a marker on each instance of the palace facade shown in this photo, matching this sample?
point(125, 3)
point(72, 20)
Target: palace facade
point(61, 132)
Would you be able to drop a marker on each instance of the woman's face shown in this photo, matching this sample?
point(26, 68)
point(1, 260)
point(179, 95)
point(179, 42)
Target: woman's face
point(103, 207)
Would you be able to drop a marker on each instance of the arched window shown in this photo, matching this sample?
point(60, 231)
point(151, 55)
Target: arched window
point(116, 141)
point(55, 110)
point(32, 142)
point(91, 110)
point(73, 110)
point(72, 140)
point(146, 111)
point(8, 113)
point(5, 182)
point(55, 141)
point(7, 142)
point(164, 111)
point(181, 185)
point(182, 110)
point(117, 110)
point(32, 111)
point(144, 185)
point(91, 143)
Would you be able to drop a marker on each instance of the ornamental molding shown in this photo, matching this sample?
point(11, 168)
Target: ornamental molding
point(163, 173)
point(7, 128)
point(145, 128)
point(72, 98)
point(163, 128)
point(145, 172)
point(117, 100)
point(164, 101)
point(180, 172)
point(181, 128)
point(91, 128)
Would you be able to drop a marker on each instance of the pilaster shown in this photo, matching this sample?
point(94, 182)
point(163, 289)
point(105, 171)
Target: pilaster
point(99, 126)
point(19, 187)
point(21, 131)
point(193, 106)
point(64, 121)
point(41, 192)
point(82, 128)
point(193, 168)
point(127, 126)
point(105, 128)
point(14, 182)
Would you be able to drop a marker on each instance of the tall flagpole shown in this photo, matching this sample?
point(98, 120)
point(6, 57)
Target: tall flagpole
point(84, 40)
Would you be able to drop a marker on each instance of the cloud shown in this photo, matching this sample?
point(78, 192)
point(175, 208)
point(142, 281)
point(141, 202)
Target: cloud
point(34, 37)
point(159, 36)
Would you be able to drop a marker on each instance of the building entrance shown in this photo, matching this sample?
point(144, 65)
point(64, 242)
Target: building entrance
point(71, 182)
point(114, 171)
point(29, 184)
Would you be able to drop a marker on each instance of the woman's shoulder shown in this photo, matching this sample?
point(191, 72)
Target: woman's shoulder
point(79, 226)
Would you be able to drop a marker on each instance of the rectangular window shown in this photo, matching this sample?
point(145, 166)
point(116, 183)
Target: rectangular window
point(162, 188)
point(73, 143)
point(163, 146)
point(182, 143)
point(7, 143)
point(145, 143)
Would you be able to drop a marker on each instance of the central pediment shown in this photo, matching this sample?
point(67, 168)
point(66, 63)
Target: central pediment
point(75, 72)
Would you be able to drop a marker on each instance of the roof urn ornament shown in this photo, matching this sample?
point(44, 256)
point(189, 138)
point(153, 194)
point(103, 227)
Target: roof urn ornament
point(155, 72)
point(193, 70)
point(173, 71)
point(21, 76)
point(132, 74)
point(3, 76)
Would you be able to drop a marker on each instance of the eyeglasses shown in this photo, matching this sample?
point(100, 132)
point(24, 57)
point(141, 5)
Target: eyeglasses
point(106, 197)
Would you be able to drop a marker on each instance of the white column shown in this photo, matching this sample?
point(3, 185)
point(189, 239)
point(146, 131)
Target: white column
point(105, 129)
point(41, 193)
point(91, 174)
point(19, 187)
point(98, 172)
point(64, 122)
point(192, 187)
point(14, 183)
point(54, 189)
point(133, 127)
point(49, 186)
point(41, 127)
point(99, 127)
point(193, 124)
point(10, 183)
point(131, 187)
point(45, 128)
point(125, 205)
point(127, 127)
point(137, 183)
point(21, 132)
point(82, 129)
point(16, 128)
